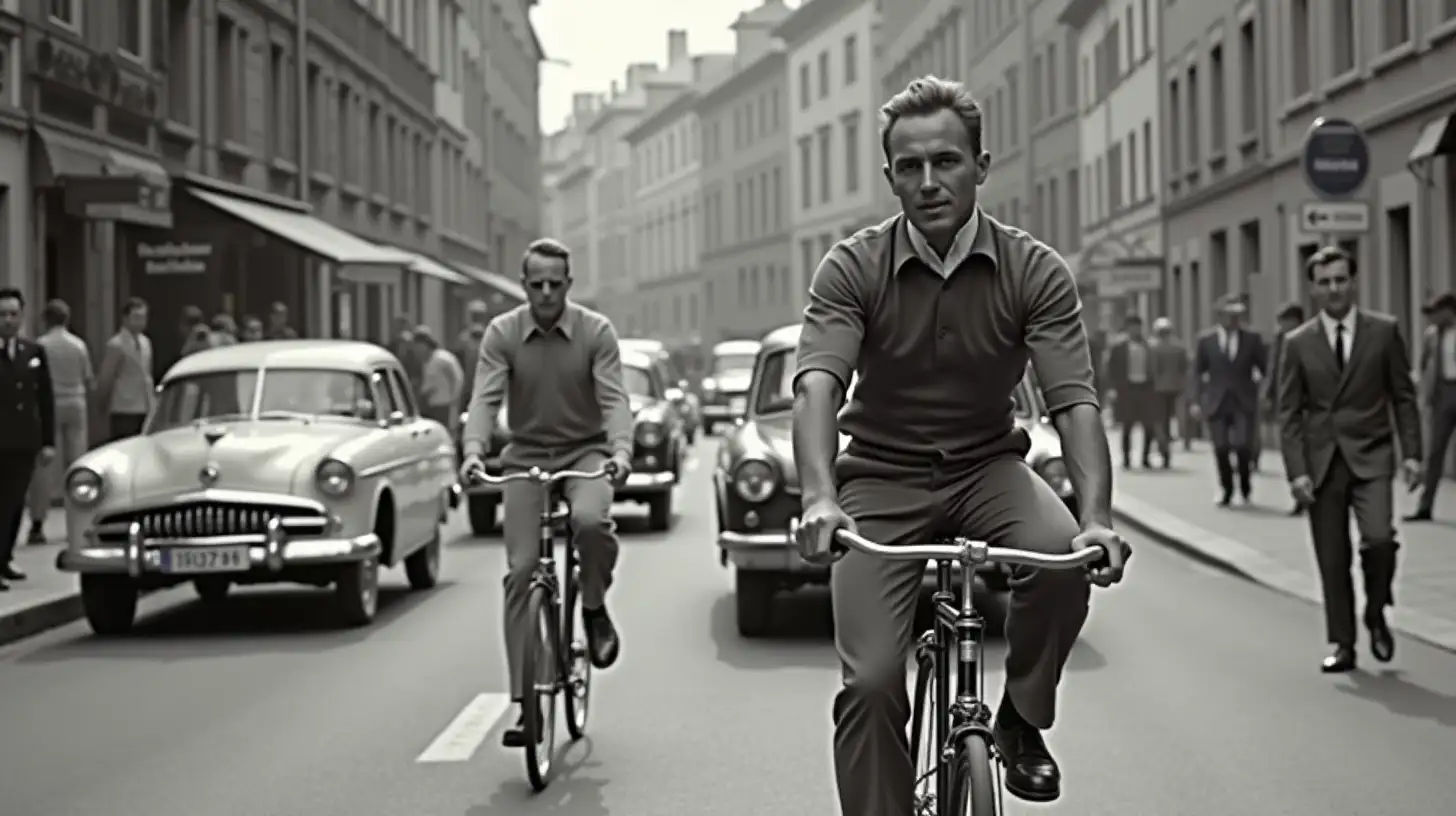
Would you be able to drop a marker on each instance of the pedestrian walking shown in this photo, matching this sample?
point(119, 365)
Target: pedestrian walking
point(278, 325)
point(224, 330)
point(1438, 392)
point(1346, 399)
point(467, 345)
point(1170, 383)
point(252, 329)
point(1227, 365)
point(1290, 318)
point(125, 386)
point(72, 382)
point(442, 379)
point(1129, 369)
point(28, 415)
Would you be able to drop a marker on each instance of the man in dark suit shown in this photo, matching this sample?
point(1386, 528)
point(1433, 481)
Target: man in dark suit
point(1129, 372)
point(1290, 318)
point(1228, 362)
point(27, 415)
point(1346, 398)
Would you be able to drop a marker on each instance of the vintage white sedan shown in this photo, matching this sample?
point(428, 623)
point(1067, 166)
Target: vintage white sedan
point(300, 461)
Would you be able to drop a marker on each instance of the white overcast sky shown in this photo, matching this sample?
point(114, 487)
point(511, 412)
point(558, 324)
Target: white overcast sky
point(601, 37)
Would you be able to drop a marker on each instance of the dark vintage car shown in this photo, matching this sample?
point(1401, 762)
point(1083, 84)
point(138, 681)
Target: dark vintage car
point(688, 405)
point(725, 388)
point(757, 489)
point(659, 450)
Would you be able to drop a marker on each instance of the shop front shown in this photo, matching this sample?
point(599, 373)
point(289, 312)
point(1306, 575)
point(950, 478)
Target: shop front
point(91, 200)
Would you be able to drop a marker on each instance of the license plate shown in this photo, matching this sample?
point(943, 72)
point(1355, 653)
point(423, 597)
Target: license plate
point(179, 561)
point(738, 405)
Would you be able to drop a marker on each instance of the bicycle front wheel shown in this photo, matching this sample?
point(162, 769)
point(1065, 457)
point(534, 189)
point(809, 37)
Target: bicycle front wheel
point(924, 750)
point(973, 787)
point(540, 673)
point(578, 669)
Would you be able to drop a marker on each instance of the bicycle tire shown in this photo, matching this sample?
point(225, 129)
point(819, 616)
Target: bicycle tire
point(576, 668)
point(921, 709)
point(540, 675)
point(974, 791)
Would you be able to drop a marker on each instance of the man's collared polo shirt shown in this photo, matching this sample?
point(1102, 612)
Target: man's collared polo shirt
point(939, 357)
point(563, 384)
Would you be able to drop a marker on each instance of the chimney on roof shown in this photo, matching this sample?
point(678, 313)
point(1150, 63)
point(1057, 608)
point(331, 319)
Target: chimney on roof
point(638, 73)
point(677, 46)
point(583, 105)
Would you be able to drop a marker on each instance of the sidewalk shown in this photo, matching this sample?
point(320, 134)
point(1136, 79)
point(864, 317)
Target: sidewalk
point(48, 597)
point(1261, 542)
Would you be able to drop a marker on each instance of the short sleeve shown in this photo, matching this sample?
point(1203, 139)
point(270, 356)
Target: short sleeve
point(1056, 336)
point(834, 320)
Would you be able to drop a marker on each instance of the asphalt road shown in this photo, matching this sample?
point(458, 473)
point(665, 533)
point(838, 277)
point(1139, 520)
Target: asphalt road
point(1192, 694)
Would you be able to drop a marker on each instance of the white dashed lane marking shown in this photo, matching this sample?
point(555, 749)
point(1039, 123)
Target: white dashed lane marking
point(463, 736)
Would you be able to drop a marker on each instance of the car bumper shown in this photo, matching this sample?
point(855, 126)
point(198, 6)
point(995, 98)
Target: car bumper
point(725, 411)
point(646, 484)
point(274, 553)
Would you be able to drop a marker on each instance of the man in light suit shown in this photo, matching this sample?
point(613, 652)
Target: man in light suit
point(1228, 363)
point(1346, 399)
point(125, 385)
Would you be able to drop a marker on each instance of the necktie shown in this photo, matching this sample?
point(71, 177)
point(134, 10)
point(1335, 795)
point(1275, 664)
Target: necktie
point(1340, 346)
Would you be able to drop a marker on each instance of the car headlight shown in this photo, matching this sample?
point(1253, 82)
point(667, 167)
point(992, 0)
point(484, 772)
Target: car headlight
point(1054, 472)
point(84, 486)
point(755, 480)
point(709, 385)
point(334, 478)
point(464, 417)
point(649, 434)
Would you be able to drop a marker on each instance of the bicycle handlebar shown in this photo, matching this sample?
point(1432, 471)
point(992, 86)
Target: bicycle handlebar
point(971, 551)
point(542, 477)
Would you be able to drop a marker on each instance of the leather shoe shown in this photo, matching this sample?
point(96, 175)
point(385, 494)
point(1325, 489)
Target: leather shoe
point(1419, 515)
point(1382, 643)
point(1341, 659)
point(1031, 772)
point(4, 587)
point(515, 736)
point(602, 642)
point(12, 573)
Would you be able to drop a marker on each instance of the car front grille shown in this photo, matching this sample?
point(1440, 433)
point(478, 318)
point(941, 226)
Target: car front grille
point(209, 519)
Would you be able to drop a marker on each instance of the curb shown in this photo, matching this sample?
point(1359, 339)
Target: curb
point(29, 621)
point(1243, 561)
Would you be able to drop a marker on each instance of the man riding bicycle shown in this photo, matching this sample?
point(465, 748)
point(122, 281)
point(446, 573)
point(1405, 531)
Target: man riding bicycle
point(938, 310)
point(558, 366)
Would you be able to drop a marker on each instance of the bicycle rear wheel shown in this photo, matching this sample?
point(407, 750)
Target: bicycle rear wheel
point(540, 676)
point(923, 748)
point(577, 669)
point(974, 791)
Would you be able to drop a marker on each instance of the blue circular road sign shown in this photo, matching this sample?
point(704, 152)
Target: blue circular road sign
point(1336, 157)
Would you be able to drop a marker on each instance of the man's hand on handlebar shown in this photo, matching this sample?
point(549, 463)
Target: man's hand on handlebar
point(815, 533)
point(1109, 571)
point(471, 469)
point(619, 467)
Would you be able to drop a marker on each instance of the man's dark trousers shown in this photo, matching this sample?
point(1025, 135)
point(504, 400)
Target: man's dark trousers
point(16, 469)
point(1001, 501)
point(1442, 412)
point(1232, 430)
point(1371, 500)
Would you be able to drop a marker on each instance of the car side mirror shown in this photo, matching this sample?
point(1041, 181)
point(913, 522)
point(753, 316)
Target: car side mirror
point(395, 419)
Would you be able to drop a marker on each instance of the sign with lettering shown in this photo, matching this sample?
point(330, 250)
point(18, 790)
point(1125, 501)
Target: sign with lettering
point(1128, 277)
point(125, 198)
point(1336, 157)
point(174, 258)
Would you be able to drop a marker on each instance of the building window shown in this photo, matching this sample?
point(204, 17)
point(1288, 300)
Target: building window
point(9, 72)
point(278, 107)
point(778, 197)
point(227, 78)
point(825, 176)
point(806, 175)
point(851, 153)
point(1175, 128)
point(851, 59)
point(1013, 107)
point(1248, 78)
point(1074, 210)
point(823, 74)
point(179, 61)
point(1448, 12)
point(1147, 28)
point(1051, 79)
point(1194, 137)
point(1299, 52)
point(66, 12)
point(1133, 196)
point(347, 152)
point(1148, 177)
point(1052, 231)
point(1114, 180)
point(134, 17)
point(1343, 34)
point(1037, 93)
point(1395, 23)
point(804, 86)
point(1217, 100)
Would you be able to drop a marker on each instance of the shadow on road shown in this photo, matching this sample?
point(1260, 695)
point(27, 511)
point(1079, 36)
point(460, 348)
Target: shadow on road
point(571, 791)
point(246, 622)
point(1400, 696)
point(801, 619)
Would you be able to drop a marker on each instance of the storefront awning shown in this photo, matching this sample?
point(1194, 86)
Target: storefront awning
point(67, 155)
point(428, 266)
point(1438, 138)
point(496, 281)
point(101, 182)
point(308, 232)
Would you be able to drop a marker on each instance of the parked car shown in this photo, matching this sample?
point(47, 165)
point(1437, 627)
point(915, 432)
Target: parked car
point(301, 461)
point(757, 490)
point(725, 389)
point(688, 404)
point(659, 450)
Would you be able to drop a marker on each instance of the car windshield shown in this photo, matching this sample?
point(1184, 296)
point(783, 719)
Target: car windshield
point(220, 395)
point(775, 384)
point(637, 382)
point(732, 362)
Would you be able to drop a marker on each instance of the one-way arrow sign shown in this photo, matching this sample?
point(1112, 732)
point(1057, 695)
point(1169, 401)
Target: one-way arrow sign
point(1335, 216)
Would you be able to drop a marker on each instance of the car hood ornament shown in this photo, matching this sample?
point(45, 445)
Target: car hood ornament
point(209, 475)
point(213, 433)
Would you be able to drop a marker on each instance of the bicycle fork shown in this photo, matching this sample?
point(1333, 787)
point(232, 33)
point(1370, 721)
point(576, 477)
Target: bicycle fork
point(960, 712)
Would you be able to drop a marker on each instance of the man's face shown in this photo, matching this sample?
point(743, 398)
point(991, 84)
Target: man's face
point(279, 318)
point(253, 330)
point(934, 171)
point(1333, 287)
point(1230, 318)
point(11, 313)
point(136, 320)
point(546, 285)
point(1135, 330)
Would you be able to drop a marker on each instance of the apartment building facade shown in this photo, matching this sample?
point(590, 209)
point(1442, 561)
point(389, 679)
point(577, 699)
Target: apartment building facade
point(833, 98)
point(924, 37)
point(1242, 84)
point(1121, 256)
point(666, 154)
point(749, 283)
point(509, 122)
point(183, 146)
point(572, 189)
